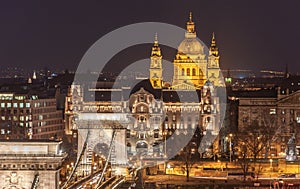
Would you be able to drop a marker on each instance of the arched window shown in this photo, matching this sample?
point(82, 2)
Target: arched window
point(194, 72)
point(182, 71)
point(188, 72)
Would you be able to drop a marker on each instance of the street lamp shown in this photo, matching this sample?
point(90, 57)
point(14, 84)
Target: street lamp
point(165, 133)
point(230, 147)
point(271, 165)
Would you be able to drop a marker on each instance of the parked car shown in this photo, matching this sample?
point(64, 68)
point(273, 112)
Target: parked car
point(287, 176)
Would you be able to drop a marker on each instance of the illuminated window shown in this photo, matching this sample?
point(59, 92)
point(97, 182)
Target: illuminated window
point(174, 117)
point(2, 105)
point(15, 105)
point(272, 111)
point(8, 105)
point(27, 105)
point(21, 105)
point(298, 119)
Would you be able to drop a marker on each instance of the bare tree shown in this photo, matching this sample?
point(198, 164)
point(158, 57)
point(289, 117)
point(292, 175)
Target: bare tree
point(252, 138)
point(188, 156)
point(243, 161)
point(271, 131)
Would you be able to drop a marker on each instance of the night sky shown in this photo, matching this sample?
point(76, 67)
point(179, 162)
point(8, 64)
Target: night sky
point(254, 34)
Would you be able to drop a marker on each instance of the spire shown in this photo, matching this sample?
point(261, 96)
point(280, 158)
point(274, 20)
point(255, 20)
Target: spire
point(286, 73)
point(213, 40)
point(156, 65)
point(155, 49)
point(190, 25)
point(155, 40)
point(213, 47)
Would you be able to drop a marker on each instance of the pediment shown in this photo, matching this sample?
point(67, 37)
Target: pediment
point(292, 99)
point(184, 86)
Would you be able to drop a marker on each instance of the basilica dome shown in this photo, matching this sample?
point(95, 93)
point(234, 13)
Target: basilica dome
point(191, 46)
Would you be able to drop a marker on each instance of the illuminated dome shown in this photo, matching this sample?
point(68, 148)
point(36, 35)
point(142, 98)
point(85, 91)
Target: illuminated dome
point(191, 46)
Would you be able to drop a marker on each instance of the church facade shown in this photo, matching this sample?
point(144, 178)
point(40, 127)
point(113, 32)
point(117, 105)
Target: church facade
point(153, 119)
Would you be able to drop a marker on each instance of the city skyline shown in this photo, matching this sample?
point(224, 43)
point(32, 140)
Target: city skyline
point(250, 35)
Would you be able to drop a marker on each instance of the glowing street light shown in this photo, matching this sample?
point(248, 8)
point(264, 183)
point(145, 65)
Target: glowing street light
point(230, 147)
point(271, 165)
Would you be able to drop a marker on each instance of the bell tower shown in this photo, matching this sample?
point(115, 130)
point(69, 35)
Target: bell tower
point(213, 67)
point(156, 66)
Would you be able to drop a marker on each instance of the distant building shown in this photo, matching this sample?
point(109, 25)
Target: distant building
point(266, 106)
point(29, 116)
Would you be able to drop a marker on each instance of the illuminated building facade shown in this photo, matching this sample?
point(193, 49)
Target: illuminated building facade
point(152, 111)
point(28, 164)
point(29, 116)
point(277, 110)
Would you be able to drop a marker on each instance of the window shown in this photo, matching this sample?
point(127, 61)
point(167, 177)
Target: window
point(9, 105)
point(194, 72)
point(298, 119)
point(272, 111)
point(27, 105)
point(21, 105)
point(2, 105)
point(15, 105)
point(128, 134)
point(174, 117)
point(182, 71)
point(188, 72)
